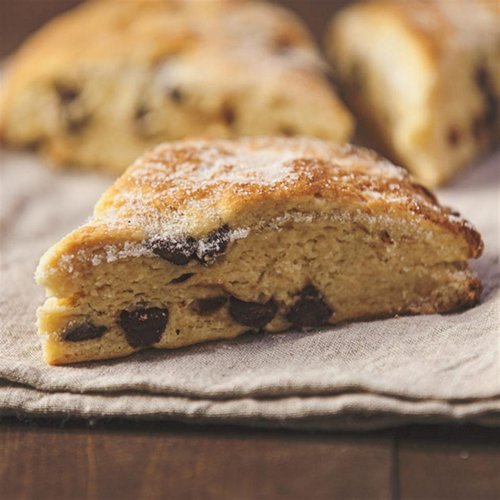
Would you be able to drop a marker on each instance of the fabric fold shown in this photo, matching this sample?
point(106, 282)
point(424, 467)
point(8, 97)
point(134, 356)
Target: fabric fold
point(355, 376)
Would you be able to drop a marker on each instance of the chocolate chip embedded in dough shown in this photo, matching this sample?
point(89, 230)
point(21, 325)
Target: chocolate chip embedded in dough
point(66, 92)
point(484, 82)
point(143, 326)
point(253, 314)
point(209, 305)
point(228, 114)
point(453, 137)
point(176, 95)
point(310, 309)
point(74, 117)
point(213, 246)
point(386, 237)
point(481, 77)
point(83, 331)
point(177, 251)
point(182, 278)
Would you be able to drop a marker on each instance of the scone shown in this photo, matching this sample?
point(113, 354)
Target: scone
point(202, 240)
point(100, 84)
point(425, 75)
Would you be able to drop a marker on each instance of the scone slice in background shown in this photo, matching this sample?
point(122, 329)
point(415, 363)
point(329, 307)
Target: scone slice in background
point(425, 75)
point(202, 240)
point(98, 85)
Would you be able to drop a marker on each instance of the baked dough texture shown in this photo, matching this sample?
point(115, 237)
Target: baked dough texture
point(207, 239)
point(100, 84)
point(424, 75)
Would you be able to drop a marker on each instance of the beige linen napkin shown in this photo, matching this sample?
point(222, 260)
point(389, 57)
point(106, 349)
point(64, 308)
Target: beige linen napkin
point(362, 375)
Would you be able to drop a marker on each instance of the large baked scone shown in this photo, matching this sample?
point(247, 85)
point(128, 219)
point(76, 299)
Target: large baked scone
point(203, 240)
point(425, 74)
point(100, 84)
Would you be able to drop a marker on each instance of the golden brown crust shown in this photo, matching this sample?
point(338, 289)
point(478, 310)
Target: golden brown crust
point(193, 187)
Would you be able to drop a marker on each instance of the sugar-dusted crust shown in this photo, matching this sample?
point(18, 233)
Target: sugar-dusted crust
point(118, 77)
point(193, 187)
point(196, 220)
point(425, 77)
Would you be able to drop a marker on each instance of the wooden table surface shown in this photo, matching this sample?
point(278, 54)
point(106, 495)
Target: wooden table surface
point(53, 459)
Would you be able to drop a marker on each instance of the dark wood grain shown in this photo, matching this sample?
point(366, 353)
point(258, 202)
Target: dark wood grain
point(148, 461)
point(449, 464)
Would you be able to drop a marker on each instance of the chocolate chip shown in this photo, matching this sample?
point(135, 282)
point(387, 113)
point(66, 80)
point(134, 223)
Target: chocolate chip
point(252, 314)
point(209, 304)
point(179, 251)
point(83, 331)
point(453, 136)
point(182, 278)
point(484, 82)
point(75, 123)
point(140, 121)
point(481, 77)
point(144, 326)
point(228, 114)
point(73, 115)
point(213, 246)
point(66, 92)
point(141, 112)
point(386, 237)
point(176, 95)
point(287, 131)
point(310, 309)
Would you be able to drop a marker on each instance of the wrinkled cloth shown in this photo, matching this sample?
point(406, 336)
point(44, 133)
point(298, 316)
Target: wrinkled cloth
point(434, 368)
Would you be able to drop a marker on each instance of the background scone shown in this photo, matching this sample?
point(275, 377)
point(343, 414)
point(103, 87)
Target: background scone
point(100, 84)
point(203, 240)
point(426, 75)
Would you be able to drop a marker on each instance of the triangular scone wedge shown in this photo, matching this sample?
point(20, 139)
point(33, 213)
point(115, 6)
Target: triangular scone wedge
point(424, 76)
point(103, 82)
point(203, 240)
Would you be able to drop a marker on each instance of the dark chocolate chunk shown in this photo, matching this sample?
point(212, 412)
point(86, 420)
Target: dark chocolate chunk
point(73, 115)
point(386, 237)
point(141, 112)
point(453, 136)
point(252, 314)
point(179, 251)
point(228, 114)
point(75, 122)
point(176, 95)
point(491, 99)
point(182, 278)
point(83, 331)
point(481, 77)
point(287, 131)
point(144, 326)
point(213, 246)
point(66, 92)
point(310, 309)
point(140, 123)
point(209, 304)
